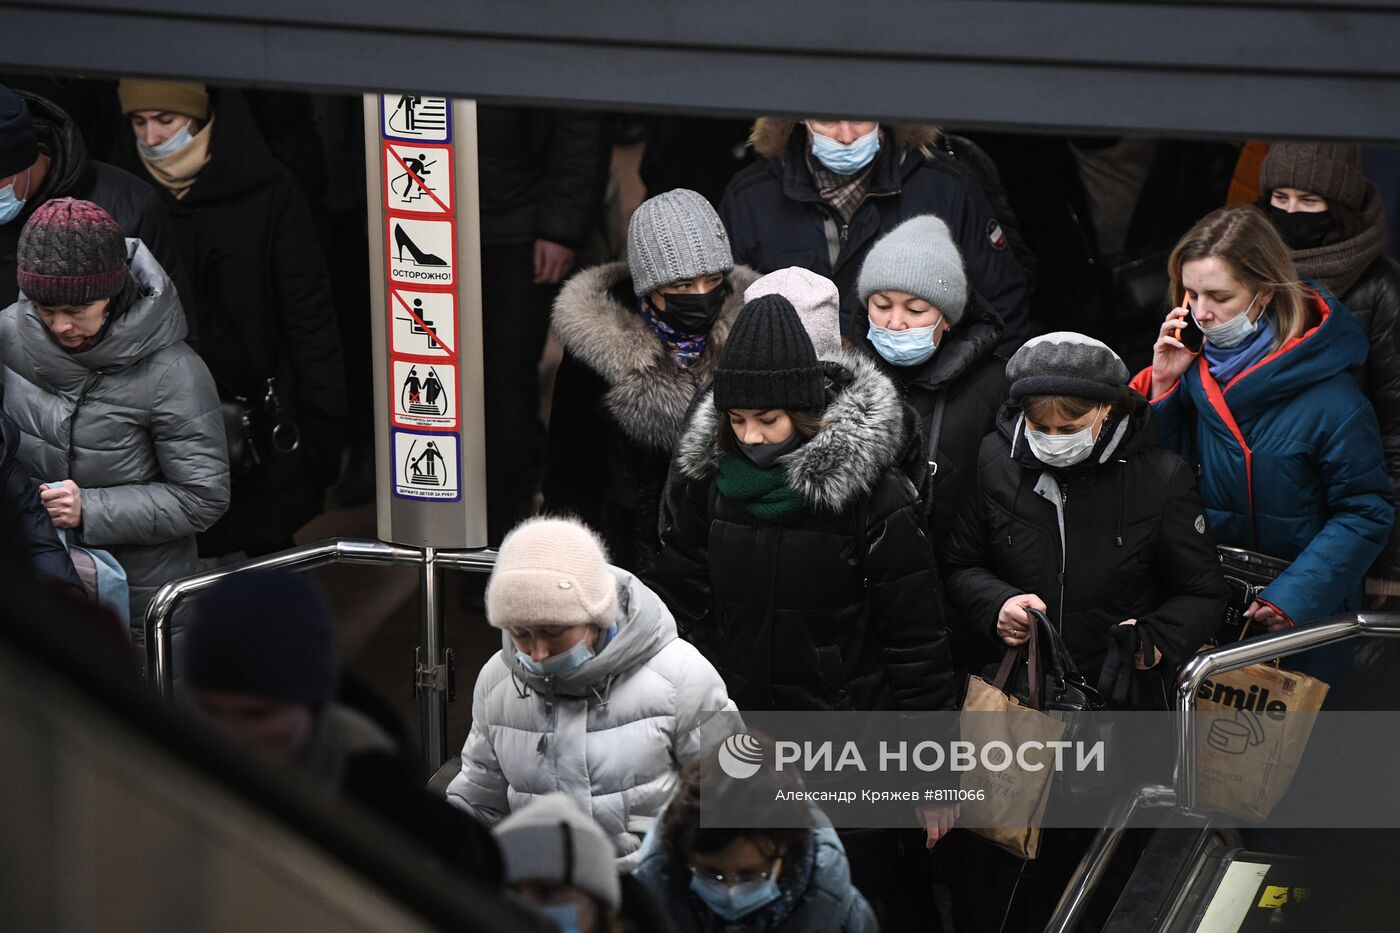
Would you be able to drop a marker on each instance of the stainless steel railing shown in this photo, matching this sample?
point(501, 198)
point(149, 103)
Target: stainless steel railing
point(431, 680)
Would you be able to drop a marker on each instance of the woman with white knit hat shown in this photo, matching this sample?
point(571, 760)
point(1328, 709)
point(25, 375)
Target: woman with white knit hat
point(592, 693)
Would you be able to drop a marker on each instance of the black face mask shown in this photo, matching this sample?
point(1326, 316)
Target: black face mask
point(1300, 229)
point(764, 456)
point(693, 315)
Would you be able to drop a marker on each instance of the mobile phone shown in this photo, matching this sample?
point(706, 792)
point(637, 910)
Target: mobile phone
point(1191, 334)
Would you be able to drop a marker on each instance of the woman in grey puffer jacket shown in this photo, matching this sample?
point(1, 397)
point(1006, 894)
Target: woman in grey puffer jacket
point(109, 399)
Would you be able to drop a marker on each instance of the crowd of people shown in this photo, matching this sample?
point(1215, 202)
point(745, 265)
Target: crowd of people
point(814, 445)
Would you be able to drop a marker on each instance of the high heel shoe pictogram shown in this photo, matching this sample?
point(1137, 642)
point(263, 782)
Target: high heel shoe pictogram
point(420, 258)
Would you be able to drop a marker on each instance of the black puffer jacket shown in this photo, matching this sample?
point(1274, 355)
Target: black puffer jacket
point(1375, 303)
point(263, 307)
point(48, 558)
point(837, 609)
point(132, 203)
point(619, 406)
point(1134, 544)
point(969, 376)
point(776, 218)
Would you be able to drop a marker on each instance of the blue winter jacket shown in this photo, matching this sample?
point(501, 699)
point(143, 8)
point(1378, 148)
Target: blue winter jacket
point(1291, 462)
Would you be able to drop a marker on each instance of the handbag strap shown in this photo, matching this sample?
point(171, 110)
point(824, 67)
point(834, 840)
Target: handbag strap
point(1030, 651)
point(1009, 659)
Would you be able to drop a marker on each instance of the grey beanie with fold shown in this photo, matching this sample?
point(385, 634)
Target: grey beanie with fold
point(675, 235)
point(551, 839)
point(918, 257)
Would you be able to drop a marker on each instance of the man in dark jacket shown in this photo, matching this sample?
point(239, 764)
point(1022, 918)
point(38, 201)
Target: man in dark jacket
point(42, 157)
point(793, 209)
point(542, 176)
point(48, 558)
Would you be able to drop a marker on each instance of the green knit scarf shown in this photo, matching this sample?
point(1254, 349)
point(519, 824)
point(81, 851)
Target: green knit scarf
point(765, 493)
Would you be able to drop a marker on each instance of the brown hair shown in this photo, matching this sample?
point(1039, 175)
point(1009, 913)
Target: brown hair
point(807, 423)
point(704, 784)
point(1247, 242)
point(1041, 408)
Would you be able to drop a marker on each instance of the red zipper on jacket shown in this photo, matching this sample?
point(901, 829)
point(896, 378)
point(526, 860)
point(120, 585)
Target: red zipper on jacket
point(1216, 397)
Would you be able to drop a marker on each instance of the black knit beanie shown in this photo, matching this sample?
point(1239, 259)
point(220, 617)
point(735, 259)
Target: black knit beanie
point(70, 252)
point(18, 148)
point(265, 634)
point(768, 361)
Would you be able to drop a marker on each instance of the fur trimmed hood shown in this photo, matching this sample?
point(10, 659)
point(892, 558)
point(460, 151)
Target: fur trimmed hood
point(864, 434)
point(648, 394)
point(769, 136)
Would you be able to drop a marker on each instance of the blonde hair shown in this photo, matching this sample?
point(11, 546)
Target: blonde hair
point(1243, 238)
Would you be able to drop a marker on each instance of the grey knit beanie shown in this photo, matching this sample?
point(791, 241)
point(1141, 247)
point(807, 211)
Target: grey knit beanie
point(673, 236)
point(552, 840)
point(1329, 169)
point(814, 297)
point(768, 361)
point(918, 257)
point(1066, 363)
point(70, 252)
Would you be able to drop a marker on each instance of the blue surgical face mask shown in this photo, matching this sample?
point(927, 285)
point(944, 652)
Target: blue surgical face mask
point(182, 138)
point(556, 664)
point(846, 159)
point(908, 347)
point(1233, 332)
point(564, 915)
point(765, 456)
point(10, 205)
point(732, 901)
point(1063, 450)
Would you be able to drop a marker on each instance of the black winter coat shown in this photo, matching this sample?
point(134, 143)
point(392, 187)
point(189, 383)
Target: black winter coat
point(620, 403)
point(48, 558)
point(1135, 545)
point(837, 609)
point(263, 304)
point(969, 376)
point(72, 174)
point(776, 218)
point(542, 174)
point(1375, 303)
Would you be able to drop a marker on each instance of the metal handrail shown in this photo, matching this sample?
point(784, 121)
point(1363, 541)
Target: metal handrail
point(432, 679)
point(1253, 651)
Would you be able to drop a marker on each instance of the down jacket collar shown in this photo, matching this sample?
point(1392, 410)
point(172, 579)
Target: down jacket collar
point(644, 627)
point(153, 323)
point(648, 394)
point(770, 136)
point(58, 137)
point(864, 434)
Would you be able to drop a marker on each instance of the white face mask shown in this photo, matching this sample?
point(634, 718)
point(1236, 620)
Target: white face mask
point(1063, 450)
point(1233, 332)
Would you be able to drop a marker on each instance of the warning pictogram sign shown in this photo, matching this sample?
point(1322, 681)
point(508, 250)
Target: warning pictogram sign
point(416, 118)
point(422, 252)
point(425, 395)
point(418, 178)
point(422, 324)
point(426, 466)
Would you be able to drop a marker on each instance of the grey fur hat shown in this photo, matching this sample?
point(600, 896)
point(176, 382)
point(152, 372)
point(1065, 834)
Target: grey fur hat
point(1066, 363)
point(675, 235)
point(918, 257)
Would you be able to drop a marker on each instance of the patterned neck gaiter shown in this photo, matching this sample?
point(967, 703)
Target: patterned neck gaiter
point(684, 349)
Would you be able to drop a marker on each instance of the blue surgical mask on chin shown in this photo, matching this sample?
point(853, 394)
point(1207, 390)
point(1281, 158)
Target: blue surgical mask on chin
point(556, 664)
point(182, 138)
point(732, 901)
point(908, 347)
point(1234, 332)
point(10, 205)
point(846, 159)
point(564, 915)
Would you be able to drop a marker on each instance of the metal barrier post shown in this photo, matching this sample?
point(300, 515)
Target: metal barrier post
point(431, 671)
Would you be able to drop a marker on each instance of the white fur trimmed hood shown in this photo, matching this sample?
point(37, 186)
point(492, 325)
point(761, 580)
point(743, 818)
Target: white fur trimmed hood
point(648, 394)
point(864, 434)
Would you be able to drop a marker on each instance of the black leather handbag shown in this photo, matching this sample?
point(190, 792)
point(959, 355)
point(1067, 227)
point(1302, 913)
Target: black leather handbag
point(259, 434)
point(1247, 573)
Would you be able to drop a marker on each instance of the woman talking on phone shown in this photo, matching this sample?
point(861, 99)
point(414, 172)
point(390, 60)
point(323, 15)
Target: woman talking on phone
point(1289, 450)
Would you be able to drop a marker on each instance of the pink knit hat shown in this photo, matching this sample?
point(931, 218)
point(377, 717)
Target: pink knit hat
point(551, 571)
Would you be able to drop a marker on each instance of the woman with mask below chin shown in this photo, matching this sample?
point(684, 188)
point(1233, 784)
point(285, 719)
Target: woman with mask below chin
point(937, 339)
point(711, 879)
point(640, 338)
point(1289, 451)
point(1333, 220)
point(592, 693)
point(1079, 512)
